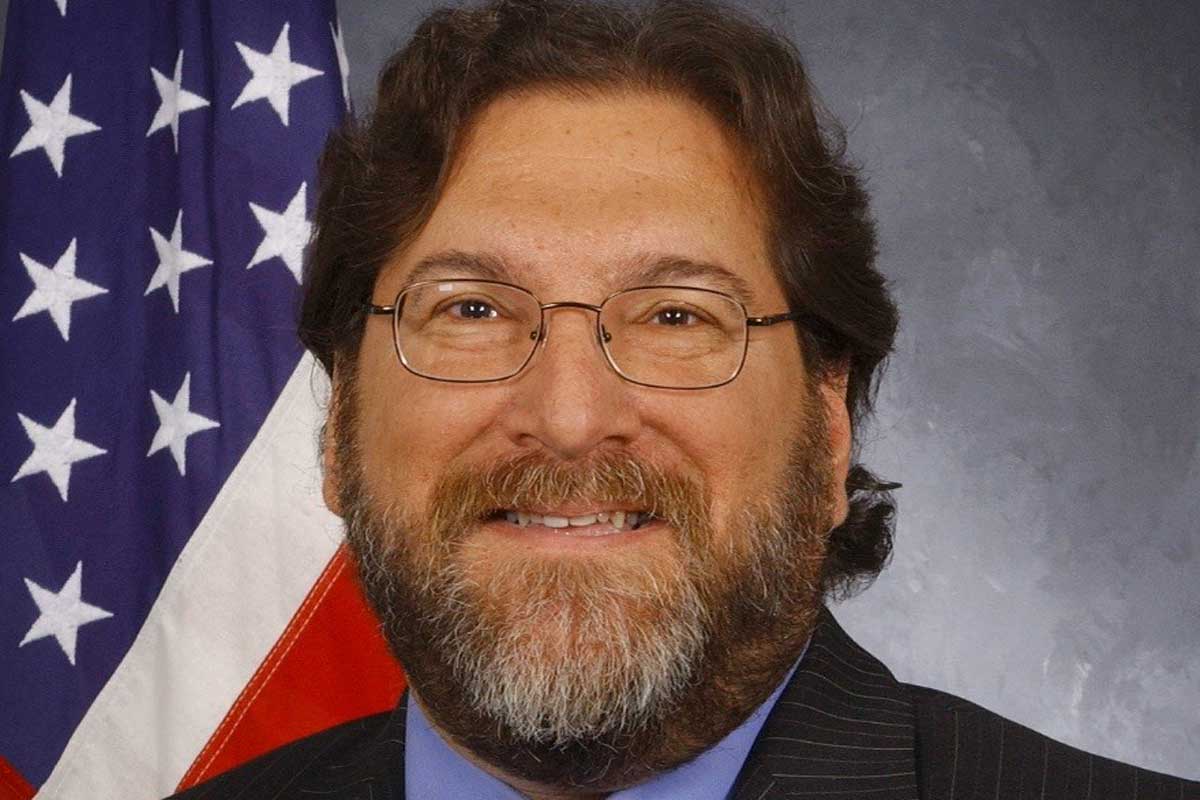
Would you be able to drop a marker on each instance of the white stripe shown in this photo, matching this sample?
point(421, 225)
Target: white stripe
point(239, 580)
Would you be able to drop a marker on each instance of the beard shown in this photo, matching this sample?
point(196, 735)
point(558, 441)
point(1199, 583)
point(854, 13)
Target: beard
point(596, 671)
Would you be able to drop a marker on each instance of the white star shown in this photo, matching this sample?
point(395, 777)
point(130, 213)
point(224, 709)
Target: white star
point(62, 6)
point(173, 261)
point(55, 449)
point(51, 125)
point(174, 100)
point(339, 45)
point(55, 289)
point(284, 234)
point(176, 423)
point(274, 75)
point(63, 613)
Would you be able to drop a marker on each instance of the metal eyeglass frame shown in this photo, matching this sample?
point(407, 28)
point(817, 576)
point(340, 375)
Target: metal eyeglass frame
point(602, 335)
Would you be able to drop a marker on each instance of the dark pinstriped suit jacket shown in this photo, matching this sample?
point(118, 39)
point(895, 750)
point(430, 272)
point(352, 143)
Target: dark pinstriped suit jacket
point(843, 728)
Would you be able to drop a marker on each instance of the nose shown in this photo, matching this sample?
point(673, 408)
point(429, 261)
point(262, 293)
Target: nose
point(568, 401)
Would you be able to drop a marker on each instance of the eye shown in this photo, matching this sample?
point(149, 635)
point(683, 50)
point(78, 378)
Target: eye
point(675, 317)
point(471, 309)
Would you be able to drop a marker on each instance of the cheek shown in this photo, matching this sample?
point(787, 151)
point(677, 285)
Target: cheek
point(738, 437)
point(411, 429)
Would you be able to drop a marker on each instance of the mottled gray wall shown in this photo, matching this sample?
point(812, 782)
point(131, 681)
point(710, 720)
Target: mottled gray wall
point(1035, 168)
point(1036, 174)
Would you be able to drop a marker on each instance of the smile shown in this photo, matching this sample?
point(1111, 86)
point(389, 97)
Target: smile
point(598, 523)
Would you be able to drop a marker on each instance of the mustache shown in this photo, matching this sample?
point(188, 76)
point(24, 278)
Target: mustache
point(467, 495)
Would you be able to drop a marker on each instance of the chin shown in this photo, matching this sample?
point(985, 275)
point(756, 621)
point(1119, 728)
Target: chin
point(563, 649)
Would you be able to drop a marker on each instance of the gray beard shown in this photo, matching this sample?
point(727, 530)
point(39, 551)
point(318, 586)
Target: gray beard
point(553, 653)
point(592, 673)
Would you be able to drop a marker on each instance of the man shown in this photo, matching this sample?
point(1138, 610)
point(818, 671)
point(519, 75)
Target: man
point(596, 291)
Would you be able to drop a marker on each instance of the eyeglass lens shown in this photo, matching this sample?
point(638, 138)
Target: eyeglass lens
point(479, 331)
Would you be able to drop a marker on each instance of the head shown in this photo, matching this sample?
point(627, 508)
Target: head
point(578, 150)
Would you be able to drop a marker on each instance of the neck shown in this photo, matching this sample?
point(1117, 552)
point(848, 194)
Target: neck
point(528, 789)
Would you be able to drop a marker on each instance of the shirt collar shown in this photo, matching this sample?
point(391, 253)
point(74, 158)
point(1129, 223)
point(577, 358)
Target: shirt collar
point(433, 770)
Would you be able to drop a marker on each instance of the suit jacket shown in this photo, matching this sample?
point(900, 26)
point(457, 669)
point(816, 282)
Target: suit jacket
point(843, 727)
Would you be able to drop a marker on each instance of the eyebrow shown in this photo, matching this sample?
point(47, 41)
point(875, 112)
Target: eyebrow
point(458, 263)
point(645, 270)
point(669, 268)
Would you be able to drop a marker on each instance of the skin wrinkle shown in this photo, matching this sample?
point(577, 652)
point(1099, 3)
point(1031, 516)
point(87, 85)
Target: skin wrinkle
point(726, 162)
point(559, 653)
point(531, 166)
point(734, 175)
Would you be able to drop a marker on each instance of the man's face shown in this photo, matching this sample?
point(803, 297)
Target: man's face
point(575, 197)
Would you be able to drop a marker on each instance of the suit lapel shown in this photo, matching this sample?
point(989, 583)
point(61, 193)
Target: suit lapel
point(374, 771)
point(843, 727)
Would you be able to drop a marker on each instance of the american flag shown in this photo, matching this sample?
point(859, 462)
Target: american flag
point(169, 579)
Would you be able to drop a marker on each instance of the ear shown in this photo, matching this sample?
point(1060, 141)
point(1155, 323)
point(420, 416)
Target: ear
point(331, 484)
point(832, 393)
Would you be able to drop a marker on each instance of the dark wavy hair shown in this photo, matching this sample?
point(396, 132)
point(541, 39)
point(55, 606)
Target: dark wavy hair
point(382, 175)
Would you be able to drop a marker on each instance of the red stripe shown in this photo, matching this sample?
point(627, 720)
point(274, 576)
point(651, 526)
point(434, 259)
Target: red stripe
point(330, 665)
point(13, 785)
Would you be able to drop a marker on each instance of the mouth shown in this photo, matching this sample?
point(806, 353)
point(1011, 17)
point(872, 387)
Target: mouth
point(588, 524)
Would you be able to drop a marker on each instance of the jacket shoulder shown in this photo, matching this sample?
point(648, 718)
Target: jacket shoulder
point(964, 750)
point(301, 766)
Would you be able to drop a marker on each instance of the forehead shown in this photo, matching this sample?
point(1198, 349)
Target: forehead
point(582, 193)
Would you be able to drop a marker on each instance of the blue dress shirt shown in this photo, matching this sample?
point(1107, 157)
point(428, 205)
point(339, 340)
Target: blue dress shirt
point(433, 771)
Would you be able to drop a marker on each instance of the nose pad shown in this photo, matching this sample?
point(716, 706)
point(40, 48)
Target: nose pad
point(541, 334)
point(571, 403)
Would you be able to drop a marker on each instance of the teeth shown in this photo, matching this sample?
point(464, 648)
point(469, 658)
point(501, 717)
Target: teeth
point(589, 532)
point(619, 520)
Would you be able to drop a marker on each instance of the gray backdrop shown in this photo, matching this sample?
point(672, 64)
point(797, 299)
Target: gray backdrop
point(1035, 168)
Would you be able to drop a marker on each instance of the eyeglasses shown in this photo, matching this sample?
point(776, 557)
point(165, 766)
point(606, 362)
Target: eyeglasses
point(479, 331)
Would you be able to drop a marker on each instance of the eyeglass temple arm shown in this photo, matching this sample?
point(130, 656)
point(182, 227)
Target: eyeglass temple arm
point(374, 309)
